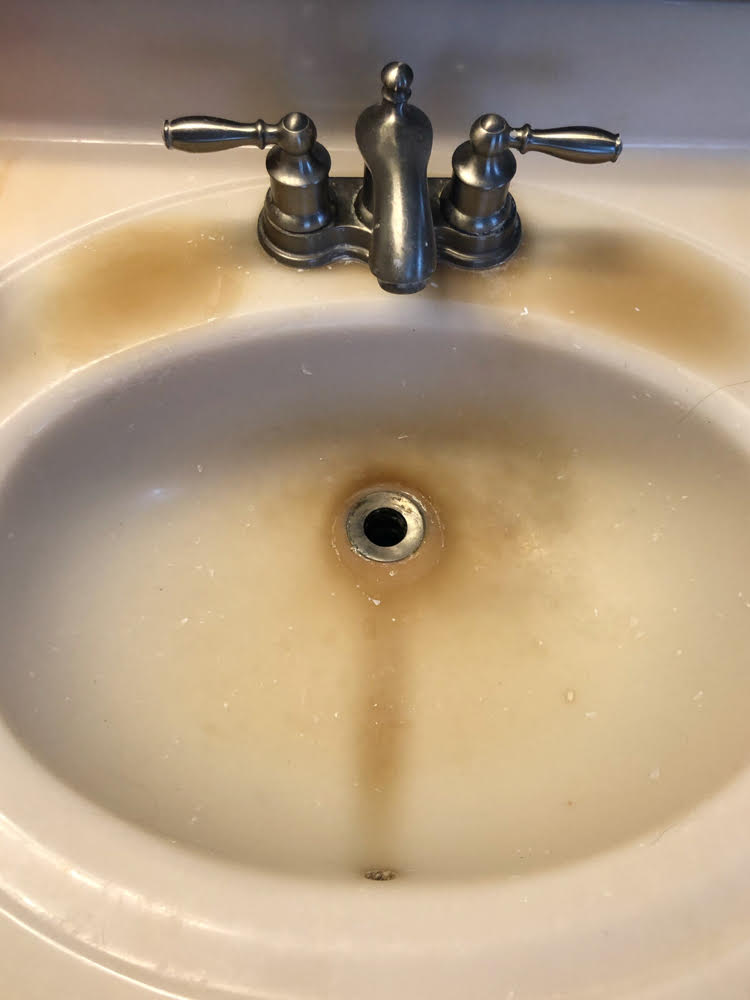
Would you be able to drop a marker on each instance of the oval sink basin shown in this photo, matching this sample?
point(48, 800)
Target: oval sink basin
point(190, 643)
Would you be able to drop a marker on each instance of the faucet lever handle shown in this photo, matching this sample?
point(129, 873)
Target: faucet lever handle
point(295, 133)
point(576, 143)
point(299, 199)
point(205, 134)
point(490, 135)
point(475, 201)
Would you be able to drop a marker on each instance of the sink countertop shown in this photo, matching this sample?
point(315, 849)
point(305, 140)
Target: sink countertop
point(55, 194)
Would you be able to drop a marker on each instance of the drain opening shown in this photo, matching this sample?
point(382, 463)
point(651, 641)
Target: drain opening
point(385, 527)
point(381, 874)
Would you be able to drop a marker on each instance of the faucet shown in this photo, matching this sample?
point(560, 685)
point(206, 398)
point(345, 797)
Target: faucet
point(395, 217)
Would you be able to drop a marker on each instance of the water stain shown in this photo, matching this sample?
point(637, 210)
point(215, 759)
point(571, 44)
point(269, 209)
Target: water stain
point(137, 281)
point(643, 286)
point(395, 597)
point(383, 733)
point(165, 273)
point(393, 592)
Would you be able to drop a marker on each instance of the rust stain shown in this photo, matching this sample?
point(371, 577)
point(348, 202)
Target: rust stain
point(135, 282)
point(653, 290)
point(161, 274)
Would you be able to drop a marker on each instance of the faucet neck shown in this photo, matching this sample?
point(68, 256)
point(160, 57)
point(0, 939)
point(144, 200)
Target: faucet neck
point(395, 139)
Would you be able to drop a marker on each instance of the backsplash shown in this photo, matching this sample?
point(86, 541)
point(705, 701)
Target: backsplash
point(109, 70)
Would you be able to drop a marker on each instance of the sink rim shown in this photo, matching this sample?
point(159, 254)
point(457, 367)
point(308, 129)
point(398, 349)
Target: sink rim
point(244, 924)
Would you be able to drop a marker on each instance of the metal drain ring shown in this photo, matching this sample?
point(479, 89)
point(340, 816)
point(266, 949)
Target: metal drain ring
point(389, 500)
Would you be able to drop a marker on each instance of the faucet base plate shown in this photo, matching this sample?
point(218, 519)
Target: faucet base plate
point(347, 237)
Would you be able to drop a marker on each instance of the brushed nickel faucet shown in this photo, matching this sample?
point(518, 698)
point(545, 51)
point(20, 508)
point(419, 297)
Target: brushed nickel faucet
point(395, 218)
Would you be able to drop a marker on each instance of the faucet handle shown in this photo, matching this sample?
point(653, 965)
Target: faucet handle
point(474, 200)
point(491, 134)
point(299, 200)
point(295, 133)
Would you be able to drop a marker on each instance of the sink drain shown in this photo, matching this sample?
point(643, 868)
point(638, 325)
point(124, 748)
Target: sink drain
point(385, 526)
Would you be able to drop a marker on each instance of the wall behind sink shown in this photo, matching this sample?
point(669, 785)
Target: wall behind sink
point(662, 72)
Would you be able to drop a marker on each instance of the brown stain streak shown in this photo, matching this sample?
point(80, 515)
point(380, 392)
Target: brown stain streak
point(164, 273)
point(135, 282)
point(646, 287)
point(384, 729)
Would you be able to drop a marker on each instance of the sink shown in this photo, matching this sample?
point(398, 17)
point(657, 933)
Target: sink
point(239, 759)
point(564, 672)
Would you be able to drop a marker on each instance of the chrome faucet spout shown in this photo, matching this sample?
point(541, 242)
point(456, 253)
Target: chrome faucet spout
point(395, 139)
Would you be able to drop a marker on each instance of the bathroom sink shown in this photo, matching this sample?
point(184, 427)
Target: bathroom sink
point(560, 669)
point(300, 770)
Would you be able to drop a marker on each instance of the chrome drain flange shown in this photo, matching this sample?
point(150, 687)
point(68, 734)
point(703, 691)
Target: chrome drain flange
point(385, 526)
